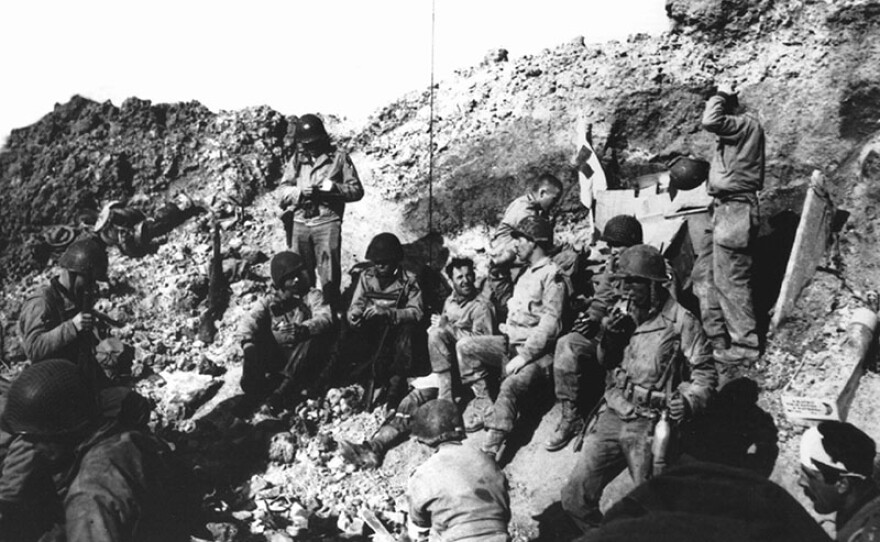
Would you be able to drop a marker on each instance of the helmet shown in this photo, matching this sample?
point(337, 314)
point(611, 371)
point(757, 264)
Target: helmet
point(385, 247)
point(437, 421)
point(687, 173)
point(86, 257)
point(623, 231)
point(535, 228)
point(49, 398)
point(283, 265)
point(642, 261)
point(309, 129)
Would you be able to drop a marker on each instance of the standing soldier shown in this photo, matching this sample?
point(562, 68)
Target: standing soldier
point(651, 348)
point(458, 493)
point(285, 335)
point(317, 182)
point(58, 321)
point(538, 202)
point(525, 352)
point(386, 310)
point(575, 354)
point(735, 177)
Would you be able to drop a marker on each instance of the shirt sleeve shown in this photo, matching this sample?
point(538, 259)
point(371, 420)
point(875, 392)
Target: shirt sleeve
point(346, 182)
point(419, 499)
point(322, 316)
point(41, 339)
point(717, 122)
point(483, 318)
point(258, 318)
point(358, 302)
point(698, 351)
point(550, 323)
point(414, 309)
point(604, 296)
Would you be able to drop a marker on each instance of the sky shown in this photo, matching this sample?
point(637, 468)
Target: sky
point(345, 57)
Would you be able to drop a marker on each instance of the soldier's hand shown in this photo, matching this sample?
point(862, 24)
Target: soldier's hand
point(586, 326)
point(308, 191)
point(726, 87)
point(515, 365)
point(619, 324)
point(377, 313)
point(677, 408)
point(439, 320)
point(84, 321)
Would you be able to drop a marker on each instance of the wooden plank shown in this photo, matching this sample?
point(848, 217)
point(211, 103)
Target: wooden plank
point(808, 251)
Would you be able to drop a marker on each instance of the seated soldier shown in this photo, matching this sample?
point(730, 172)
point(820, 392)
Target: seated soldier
point(285, 336)
point(661, 361)
point(538, 202)
point(466, 313)
point(88, 469)
point(575, 355)
point(59, 322)
point(837, 475)
point(458, 493)
point(386, 311)
point(525, 352)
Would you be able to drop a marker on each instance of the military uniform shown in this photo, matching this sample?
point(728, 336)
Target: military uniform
point(465, 317)
point(534, 321)
point(499, 285)
point(459, 493)
point(317, 221)
point(637, 390)
point(48, 332)
point(403, 296)
point(735, 177)
point(863, 526)
point(268, 328)
point(113, 486)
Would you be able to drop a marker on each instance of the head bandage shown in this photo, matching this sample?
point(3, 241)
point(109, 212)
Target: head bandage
point(813, 452)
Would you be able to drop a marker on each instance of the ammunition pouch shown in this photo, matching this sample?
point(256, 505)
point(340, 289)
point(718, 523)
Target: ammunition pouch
point(639, 396)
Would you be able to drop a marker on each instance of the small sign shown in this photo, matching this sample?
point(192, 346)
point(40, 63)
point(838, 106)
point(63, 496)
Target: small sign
point(810, 408)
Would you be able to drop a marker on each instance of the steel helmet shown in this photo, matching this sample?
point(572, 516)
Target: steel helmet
point(283, 265)
point(49, 398)
point(535, 228)
point(87, 257)
point(385, 247)
point(641, 261)
point(687, 173)
point(437, 421)
point(623, 231)
point(309, 129)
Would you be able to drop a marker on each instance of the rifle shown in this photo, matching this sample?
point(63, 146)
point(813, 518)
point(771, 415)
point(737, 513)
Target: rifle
point(371, 383)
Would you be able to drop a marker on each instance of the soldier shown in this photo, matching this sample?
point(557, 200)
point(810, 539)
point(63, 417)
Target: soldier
point(95, 473)
point(58, 321)
point(131, 230)
point(386, 310)
point(576, 351)
point(525, 352)
point(458, 493)
point(735, 177)
point(503, 270)
point(285, 335)
point(837, 468)
point(316, 184)
point(647, 347)
point(466, 313)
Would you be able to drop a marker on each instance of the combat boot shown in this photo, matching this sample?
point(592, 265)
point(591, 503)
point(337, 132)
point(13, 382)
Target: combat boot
point(494, 443)
point(444, 386)
point(477, 410)
point(570, 424)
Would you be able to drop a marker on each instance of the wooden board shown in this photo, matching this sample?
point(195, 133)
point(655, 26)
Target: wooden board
point(808, 251)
